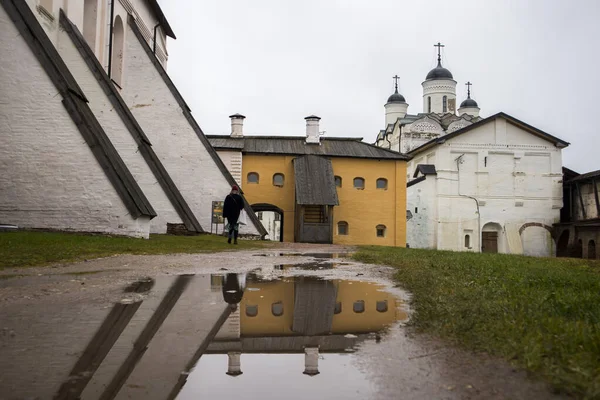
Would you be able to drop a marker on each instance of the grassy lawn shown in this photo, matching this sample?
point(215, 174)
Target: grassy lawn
point(541, 313)
point(24, 249)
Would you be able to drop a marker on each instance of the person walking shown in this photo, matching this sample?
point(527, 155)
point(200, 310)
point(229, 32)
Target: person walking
point(234, 203)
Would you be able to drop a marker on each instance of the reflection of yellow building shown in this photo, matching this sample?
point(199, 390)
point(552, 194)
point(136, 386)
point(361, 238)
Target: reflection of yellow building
point(354, 309)
point(327, 190)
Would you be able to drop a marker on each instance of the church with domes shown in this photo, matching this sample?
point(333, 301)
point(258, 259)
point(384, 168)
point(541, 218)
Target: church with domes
point(404, 132)
point(474, 184)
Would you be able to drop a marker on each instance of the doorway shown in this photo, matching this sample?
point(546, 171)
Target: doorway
point(271, 217)
point(490, 237)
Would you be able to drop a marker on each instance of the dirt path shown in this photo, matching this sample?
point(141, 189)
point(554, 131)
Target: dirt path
point(49, 315)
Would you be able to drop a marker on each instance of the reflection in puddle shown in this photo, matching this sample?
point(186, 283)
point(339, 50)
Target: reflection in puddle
point(313, 255)
point(193, 333)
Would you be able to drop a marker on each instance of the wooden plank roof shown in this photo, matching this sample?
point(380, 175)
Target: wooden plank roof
point(315, 183)
point(296, 145)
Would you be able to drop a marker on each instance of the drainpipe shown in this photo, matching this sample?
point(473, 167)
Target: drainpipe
point(110, 36)
point(154, 43)
point(458, 162)
point(388, 140)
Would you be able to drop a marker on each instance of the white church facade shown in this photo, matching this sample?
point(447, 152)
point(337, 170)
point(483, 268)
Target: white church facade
point(474, 184)
point(95, 135)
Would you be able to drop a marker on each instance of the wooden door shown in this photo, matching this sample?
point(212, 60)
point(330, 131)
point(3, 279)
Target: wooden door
point(489, 242)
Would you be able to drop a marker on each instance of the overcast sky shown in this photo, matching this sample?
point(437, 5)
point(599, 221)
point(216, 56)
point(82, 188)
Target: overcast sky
point(278, 61)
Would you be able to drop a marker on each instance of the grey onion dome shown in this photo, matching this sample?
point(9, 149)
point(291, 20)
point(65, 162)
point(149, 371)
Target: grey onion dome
point(396, 98)
point(469, 102)
point(439, 72)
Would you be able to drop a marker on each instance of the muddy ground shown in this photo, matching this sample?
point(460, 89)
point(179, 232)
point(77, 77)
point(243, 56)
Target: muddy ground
point(49, 315)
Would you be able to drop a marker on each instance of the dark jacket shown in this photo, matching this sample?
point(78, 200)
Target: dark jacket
point(234, 203)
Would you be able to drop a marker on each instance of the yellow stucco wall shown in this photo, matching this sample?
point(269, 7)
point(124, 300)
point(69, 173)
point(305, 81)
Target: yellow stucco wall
point(363, 210)
point(347, 321)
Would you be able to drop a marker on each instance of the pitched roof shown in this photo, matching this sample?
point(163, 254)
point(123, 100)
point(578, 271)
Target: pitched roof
point(315, 183)
point(76, 104)
point(162, 20)
point(586, 176)
point(136, 131)
point(296, 145)
point(531, 129)
point(188, 115)
point(425, 169)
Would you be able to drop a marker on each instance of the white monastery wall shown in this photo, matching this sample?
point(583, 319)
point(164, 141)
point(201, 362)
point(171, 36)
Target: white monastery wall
point(437, 89)
point(233, 162)
point(174, 140)
point(516, 178)
point(49, 177)
point(421, 202)
point(119, 135)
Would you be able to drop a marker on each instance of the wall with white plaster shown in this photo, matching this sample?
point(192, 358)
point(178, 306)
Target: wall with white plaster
point(119, 135)
point(233, 162)
point(515, 177)
point(49, 177)
point(421, 205)
point(183, 154)
point(436, 89)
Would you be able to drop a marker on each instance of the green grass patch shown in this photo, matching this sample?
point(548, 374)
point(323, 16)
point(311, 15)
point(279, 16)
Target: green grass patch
point(541, 313)
point(23, 249)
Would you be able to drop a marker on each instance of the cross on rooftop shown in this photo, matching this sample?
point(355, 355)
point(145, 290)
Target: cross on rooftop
point(439, 46)
point(396, 78)
point(468, 89)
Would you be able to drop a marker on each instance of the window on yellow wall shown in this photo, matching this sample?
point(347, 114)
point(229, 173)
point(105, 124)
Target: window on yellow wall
point(359, 306)
point(381, 183)
point(381, 230)
point(338, 308)
point(342, 228)
point(252, 177)
point(382, 306)
point(338, 181)
point(277, 309)
point(278, 180)
point(359, 183)
point(252, 311)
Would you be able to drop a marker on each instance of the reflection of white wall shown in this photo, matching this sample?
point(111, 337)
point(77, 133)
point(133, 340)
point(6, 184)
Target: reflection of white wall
point(272, 223)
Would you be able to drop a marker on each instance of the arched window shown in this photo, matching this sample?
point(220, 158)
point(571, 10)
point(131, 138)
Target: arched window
point(117, 52)
point(428, 104)
point(342, 228)
point(278, 180)
point(445, 104)
point(380, 230)
point(359, 306)
point(90, 15)
point(338, 308)
point(359, 183)
point(277, 309)
point(338, 181)
point(252, 177)
point(382, 306)
point(252, 311)
point(468, 241)
point(381, 183)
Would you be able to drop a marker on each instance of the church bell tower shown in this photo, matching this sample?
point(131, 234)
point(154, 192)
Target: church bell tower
point(439, 89)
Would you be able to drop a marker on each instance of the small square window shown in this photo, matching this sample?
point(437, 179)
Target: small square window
point(359, 183)
point(381, 230)
point(381, 183)
point(338, 181)
point(359, 306)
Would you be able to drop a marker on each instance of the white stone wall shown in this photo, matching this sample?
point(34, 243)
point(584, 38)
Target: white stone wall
point(49, 177)
point(437, 89)
point(182, 153)
point(119, 135)
point(421, 227)
point(393, 111)
point(233, 162)
point(515, 177)
point(267, 219)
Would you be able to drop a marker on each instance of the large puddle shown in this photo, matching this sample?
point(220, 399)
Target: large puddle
point(226, 336)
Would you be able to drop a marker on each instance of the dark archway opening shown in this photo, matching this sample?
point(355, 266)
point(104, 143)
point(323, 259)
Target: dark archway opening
point(273, 225)
point(592, 250)
point(578, 249)
point(562, 247)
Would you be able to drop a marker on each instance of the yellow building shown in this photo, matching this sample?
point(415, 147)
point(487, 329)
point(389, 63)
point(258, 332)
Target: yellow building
point(323, 190)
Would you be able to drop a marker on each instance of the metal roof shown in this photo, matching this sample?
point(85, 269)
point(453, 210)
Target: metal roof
point(296, 145)
point(162, 20)
point(425, 169)
point(315, 183)
point(531, 129)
